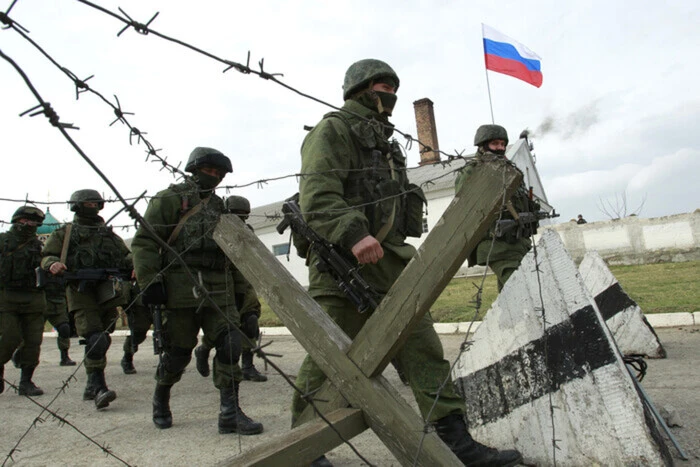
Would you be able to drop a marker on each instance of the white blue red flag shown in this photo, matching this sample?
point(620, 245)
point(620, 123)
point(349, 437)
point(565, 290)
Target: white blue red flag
point(510, 57)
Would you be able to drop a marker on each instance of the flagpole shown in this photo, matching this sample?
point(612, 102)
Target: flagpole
point(488, 85)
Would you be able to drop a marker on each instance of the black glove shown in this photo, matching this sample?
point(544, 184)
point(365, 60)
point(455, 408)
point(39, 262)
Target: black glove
point(249, 325)
point(154, 294)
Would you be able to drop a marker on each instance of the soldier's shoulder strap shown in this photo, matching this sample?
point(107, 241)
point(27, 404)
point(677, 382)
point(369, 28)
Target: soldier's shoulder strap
point(176, 231)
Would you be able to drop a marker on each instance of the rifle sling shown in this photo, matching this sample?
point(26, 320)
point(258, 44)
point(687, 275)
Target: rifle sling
point(66, 243)
point(183, 219)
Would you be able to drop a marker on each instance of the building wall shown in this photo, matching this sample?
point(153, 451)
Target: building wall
point(632, 240)
point(635, 240)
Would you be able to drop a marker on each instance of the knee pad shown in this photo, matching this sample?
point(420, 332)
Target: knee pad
point(63, 330)
point(228, 347)
point(176, 359)
point(96, 345)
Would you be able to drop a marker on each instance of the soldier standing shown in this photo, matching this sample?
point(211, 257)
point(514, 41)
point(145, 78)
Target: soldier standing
point(185, 216)
point(248, 307)
point(509, 248)
point(88, 244)
point(56, 313)
point(22, 304)
point(357, 196)
point(140, 320)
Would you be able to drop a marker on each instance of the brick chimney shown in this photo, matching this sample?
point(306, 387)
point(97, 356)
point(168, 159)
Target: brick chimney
point(427, 132)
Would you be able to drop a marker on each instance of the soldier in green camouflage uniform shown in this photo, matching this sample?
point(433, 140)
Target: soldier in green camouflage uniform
point(185, 216)
point(140, 320)
point(510, 248)
point(358, 197)
point(248, 306)
point(88, 243)
point(22, 304)
point(56, 313)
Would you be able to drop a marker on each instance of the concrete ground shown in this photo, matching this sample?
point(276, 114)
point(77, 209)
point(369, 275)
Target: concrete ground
point(125, 428)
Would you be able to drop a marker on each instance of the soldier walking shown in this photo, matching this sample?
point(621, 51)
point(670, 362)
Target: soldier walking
point(22, 304)
point(185, 216)
point(248, 306)
point(357, 196)
point(88, 246)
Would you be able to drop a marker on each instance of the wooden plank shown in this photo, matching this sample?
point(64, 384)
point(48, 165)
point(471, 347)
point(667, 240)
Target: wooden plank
point(305, 443)
point(445, 250)
point(394, 421)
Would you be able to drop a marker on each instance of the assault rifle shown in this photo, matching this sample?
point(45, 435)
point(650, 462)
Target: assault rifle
point(345, 274)
point(526, 223)
point(84, 276)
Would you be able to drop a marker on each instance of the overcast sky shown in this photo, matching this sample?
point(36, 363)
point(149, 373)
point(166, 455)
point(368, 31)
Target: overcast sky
point(618, 113)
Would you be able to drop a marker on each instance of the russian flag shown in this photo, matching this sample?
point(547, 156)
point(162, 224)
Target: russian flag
point(508, 56)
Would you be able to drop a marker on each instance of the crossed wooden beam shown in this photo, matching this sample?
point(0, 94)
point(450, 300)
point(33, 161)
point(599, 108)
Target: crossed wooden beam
point(354, 368)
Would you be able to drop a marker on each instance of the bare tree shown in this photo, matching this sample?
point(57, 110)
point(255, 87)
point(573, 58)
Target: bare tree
point(617, 208)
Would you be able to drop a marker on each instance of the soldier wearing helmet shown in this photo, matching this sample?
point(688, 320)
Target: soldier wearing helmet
point(184, 215)
point(22, 304)
point(248, 307)
point(88, 244)
point(359, 198)
point(503, 253)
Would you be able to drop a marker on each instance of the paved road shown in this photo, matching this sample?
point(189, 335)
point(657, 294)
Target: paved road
point(125, 428)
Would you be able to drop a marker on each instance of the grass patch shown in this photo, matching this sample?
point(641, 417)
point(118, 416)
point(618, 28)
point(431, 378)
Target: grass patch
point(657, 288)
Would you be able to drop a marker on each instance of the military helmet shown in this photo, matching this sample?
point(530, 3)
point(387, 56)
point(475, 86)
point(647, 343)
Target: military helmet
point(85, 196)
point(361, 73)
point(28, 212)
point(237, 205)
point(207, 156)
point(486, 133)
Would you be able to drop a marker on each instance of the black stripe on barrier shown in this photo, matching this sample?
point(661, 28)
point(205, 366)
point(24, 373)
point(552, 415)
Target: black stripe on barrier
point(575, 348)
point(613, 300)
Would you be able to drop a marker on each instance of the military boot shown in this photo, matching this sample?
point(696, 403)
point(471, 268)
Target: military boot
point(91, 387)
point(26, 385)
point(231, 418)
point(128, 363)
point(65, 359)
point(162, 416)
point(250, 373)
point(104, 395)
point(201, 355)
point(16, 357)
point(453, 432)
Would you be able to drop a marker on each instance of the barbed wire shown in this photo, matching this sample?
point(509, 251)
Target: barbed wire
point(201, 289)
point(81, 86)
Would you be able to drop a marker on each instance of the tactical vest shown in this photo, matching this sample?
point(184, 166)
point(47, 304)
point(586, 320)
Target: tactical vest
point(194, 241)
point(95, 247)
point(18, 259)
point(380, 187)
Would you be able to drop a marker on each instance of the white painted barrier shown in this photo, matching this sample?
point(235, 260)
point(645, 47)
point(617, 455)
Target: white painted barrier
point(544, 375)
point(632, 332)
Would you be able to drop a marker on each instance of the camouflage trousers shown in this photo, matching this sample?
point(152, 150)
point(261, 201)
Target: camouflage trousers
point(21, 320)
point(181, 327)
point(421, 359)
point(95, 320)
point(140, 320)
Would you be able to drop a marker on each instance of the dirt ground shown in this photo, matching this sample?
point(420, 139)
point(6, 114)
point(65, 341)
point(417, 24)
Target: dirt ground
point(125, 428)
